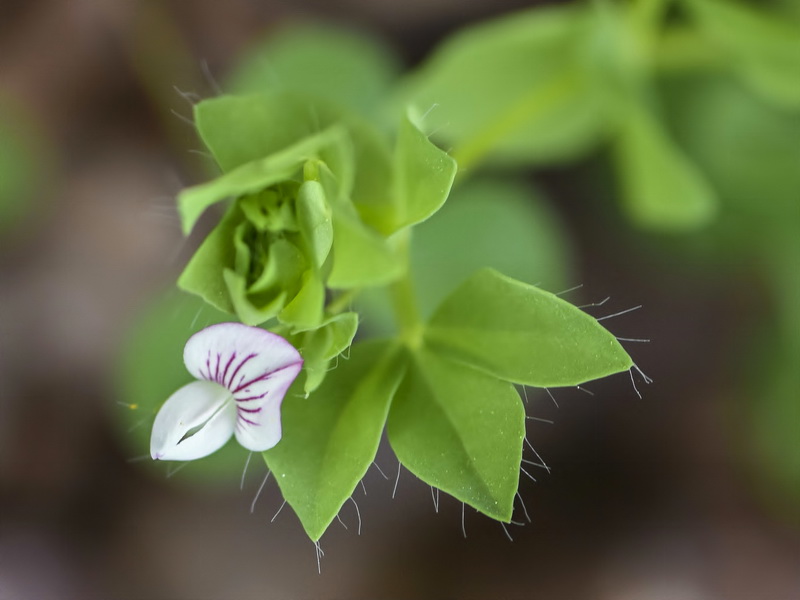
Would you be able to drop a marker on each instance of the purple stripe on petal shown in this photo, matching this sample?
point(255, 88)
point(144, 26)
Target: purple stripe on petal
point(248, 421)
point(227, 366)
point(248, 399)
point(216, 370)
point(263, 377)
point(238, 368)
point(250, 410)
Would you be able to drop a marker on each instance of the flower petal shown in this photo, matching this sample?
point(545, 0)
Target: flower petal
point(256, 366)
point(194, 422)
point(258, 422)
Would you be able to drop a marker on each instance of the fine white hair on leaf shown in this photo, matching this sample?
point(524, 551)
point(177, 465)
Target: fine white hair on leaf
point(396, 480)
point(429, 111)
point(548, 421)
point(524, 508)
point(319, 553)
point(572, 289)
point(647, 379)
point(620, 313)
point(210, 77)
point(358, 513)
point(275, 516)
point(182, 118)
point(553, 398)
point(385, 476)
point(532, 478)
point(191, 97)
point(508, 535)
point(435, 498)
point(258, 493)
point(591, 304)
point(463, 520)
point(196, 316)
point(543, 464)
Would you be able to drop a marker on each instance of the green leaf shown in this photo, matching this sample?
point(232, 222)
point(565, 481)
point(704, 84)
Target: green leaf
point(282, 277)
point(748, 150)
point(764, 47)
point(320, 346)
point(305, 309)
point(315, 221)
point(517, 89)
point(361, 256)
point(348, 67)
point(497, 223)
point(204, 275)
point(423, 175)
point(460, 430)
point(257, 174)
point(241, 129)
point(520, 333)
point(330, 439)
point(248, 312)
point(150, 369)
point(663, 189)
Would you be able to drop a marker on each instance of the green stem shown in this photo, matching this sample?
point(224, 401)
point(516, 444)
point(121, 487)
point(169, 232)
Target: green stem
point(342, 301)
point(404, 300)
point(534, 105)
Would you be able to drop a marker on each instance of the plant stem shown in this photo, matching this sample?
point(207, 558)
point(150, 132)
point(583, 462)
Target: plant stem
point(342, 301)
point(404, 300)
point(534, 105)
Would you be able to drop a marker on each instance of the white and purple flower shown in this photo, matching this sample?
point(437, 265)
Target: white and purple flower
point(243, 373)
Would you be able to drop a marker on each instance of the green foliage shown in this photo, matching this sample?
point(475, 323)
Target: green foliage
point(662, 188)
point(151, 369)
point(330, 439)
point(293, 226)
point(763, 47)
point(519, 89)
point(489, 222)
point(748, 150)
point(423, 175)
point(460, 430)
point(343, 66)
point(322, 205)
point(322, 345)
point(520, 333)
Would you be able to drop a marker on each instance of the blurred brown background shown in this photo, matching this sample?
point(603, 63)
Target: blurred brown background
point(651, 498)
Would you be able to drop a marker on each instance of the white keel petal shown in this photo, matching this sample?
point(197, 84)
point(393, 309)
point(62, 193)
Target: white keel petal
point(194, 422)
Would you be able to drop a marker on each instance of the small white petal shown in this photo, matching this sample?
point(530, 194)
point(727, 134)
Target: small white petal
point(237, 356)
point(194, 422)
point(257, 366)
point(258, 423)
